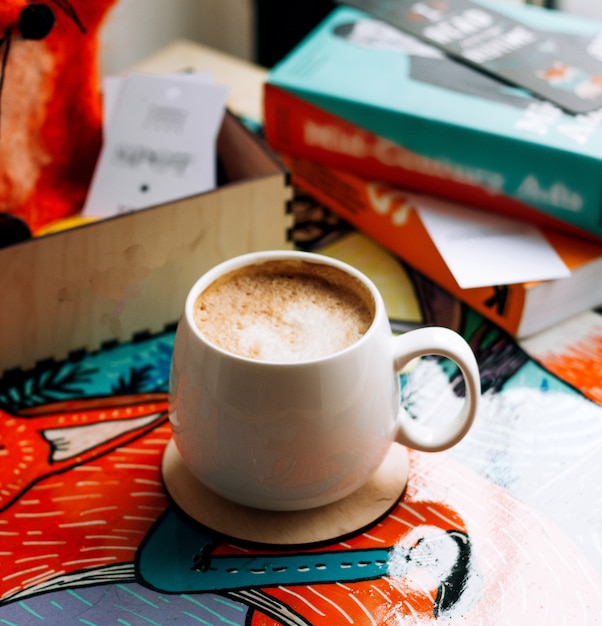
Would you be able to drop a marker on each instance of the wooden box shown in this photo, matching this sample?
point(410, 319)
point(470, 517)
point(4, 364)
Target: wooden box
point(111, 280)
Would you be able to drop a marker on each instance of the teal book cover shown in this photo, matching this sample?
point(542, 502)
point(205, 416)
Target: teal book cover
point(494, 135)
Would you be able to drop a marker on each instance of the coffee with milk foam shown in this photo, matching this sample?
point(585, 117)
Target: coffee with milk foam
point(284, 311)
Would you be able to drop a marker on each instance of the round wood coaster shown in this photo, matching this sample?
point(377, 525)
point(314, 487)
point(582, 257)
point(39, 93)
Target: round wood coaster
point(358, 510)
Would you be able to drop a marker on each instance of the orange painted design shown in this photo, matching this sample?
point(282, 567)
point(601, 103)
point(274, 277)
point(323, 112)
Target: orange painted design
point(80, 486)
point(518, 565)
point(580, 365)
point(382, 598)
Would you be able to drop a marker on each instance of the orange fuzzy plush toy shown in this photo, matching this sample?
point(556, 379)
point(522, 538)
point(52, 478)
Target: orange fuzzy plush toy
point(50, 105)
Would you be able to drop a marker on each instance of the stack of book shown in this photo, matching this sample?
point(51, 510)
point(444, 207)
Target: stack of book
point(361, 105)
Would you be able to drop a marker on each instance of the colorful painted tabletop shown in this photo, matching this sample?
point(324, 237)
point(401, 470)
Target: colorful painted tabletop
point(505, 528)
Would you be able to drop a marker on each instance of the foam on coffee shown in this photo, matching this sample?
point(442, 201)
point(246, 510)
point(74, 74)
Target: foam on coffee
point(284, 311)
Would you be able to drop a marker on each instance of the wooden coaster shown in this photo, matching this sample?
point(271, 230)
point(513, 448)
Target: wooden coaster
point(358, 510)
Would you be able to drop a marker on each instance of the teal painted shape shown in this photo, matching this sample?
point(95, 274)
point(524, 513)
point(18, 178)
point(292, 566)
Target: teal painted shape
point(176, 558)
point(136, 367)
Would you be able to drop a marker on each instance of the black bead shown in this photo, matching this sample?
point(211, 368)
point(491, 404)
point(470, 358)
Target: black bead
point(12, 230)
point(36, 21)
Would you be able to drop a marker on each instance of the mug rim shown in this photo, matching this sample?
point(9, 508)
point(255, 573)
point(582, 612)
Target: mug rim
point(253, 258)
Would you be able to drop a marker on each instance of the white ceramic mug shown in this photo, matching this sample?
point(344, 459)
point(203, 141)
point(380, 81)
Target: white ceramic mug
point(297, 435)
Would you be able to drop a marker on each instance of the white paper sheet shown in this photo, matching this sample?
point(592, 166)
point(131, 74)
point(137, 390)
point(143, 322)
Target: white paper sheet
point(483, 249)
point(159, 142)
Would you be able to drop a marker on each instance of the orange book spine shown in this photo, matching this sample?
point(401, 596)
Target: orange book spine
point(387, 215)
point(299, 128)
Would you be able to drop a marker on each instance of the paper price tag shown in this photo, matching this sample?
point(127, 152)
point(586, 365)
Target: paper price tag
point(159, 142)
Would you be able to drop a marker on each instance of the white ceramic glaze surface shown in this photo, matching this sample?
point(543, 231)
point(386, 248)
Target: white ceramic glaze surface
point(290, 436)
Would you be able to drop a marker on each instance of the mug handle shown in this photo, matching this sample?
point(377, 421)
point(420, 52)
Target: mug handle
point(444, 342)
